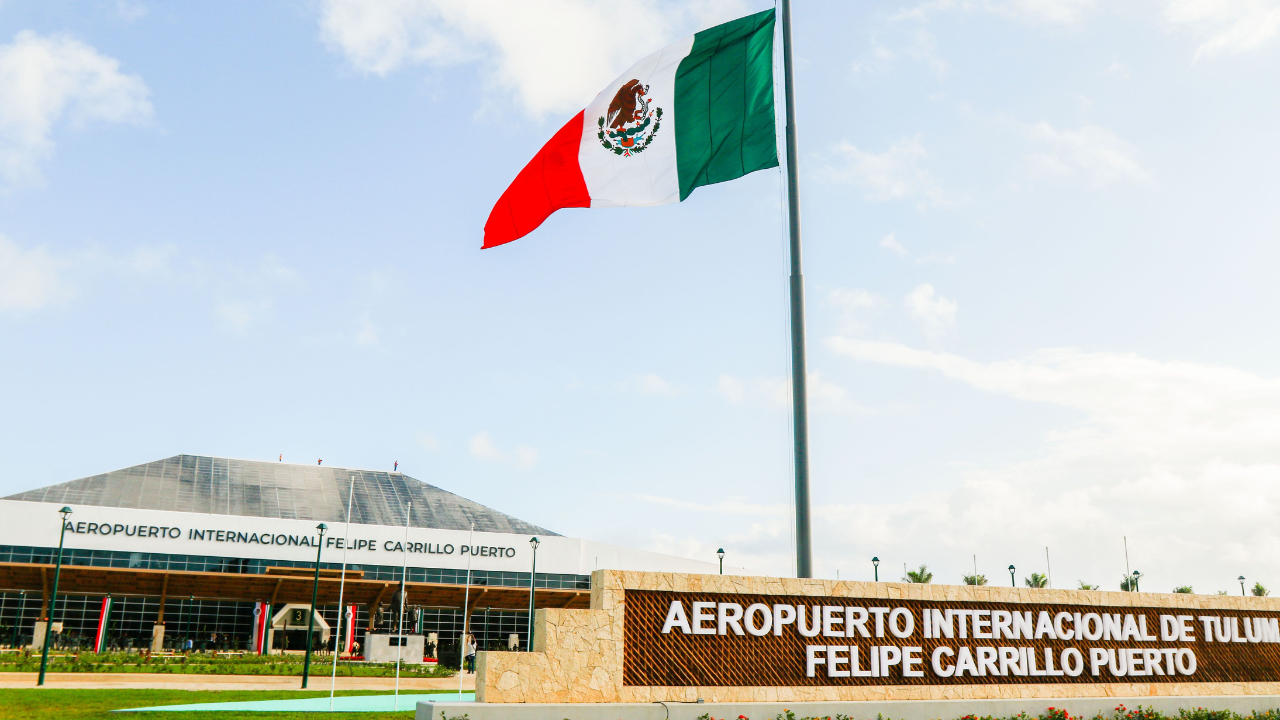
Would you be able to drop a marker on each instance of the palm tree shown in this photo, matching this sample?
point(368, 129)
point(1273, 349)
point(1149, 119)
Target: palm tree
point(1086, 586)
point(919, 576)
point(1186, 589)
point(974, 579)
point(1260, 591)
point(1128, 584)
point(1036, 581)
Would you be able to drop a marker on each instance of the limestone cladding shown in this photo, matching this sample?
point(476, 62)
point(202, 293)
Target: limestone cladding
point(577, 655)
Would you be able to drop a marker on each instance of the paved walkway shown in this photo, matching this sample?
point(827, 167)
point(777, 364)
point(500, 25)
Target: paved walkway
point(350, 703)
point(226, 682)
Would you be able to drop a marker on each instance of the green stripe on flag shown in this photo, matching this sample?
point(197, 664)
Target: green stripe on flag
point(724, 103)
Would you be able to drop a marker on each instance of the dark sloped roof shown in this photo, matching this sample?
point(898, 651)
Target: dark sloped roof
point(251, 488)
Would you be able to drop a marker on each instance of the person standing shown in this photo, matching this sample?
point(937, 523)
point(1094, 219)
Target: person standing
point(469, 651)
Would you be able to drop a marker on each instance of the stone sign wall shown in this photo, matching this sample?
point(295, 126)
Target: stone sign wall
point(725, 639)
point(673, 637)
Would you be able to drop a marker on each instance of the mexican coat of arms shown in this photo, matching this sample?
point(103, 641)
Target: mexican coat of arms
point(630, 124)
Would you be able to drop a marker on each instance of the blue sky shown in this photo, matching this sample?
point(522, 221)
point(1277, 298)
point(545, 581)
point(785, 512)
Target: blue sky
point(1040, 243)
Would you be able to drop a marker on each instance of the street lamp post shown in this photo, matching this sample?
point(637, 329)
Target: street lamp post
point(1136, 576)
point(720, 553)
point(311, 614)
point(17, 621)
point(53, 601)
point(875, 563)
point(1013, 581)
point(533, 579)
point(1241, 579)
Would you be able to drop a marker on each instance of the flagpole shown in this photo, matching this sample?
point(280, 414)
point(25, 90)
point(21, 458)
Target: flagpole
point(342, 584)
point(404, 585)
point(799, 394)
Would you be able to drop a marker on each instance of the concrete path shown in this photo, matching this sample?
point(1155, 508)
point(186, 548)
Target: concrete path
point(226, 682)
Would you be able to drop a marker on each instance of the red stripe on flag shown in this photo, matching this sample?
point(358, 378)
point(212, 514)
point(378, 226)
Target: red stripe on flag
point(552, 180)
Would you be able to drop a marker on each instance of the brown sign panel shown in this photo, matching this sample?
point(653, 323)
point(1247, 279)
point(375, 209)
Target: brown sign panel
point(723, 639)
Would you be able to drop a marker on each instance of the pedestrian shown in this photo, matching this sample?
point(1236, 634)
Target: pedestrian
point(319, 461)
point(469, 651)
point(397, 467)
point(281, 457)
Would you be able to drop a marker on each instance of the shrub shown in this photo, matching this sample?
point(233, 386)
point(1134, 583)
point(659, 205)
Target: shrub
point(1185, 589)
point(1086, 586)
point(974, 579)
point(1259, 590)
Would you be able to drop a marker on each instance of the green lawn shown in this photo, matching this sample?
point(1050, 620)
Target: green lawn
point(48, 704)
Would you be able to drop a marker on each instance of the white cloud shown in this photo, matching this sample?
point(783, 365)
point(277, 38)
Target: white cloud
point(1095, 152)
point(483, 447)
point(881, 59)
point(936, 314)
point(526, 456)
point(130, 11)
point(854, 306)
point(46, 78)
point(238, 315)
point(1055, 11)
point(367, 336)
point(1179, 456)
point(894, 174)
point(427, 441)
point(1229, 26)
point(890, 243)
point(775, 393)
point(651, 384)
point(246, 295)
point(30, 279)
point(550, 56)
point(1224, 26)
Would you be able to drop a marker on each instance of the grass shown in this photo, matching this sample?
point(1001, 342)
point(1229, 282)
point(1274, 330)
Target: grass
point(48, 704)
point(201, 664)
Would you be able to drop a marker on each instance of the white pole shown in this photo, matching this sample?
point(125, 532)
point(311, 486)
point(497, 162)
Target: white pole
point(1048, 567)
point(404, 589)
point(466, 599)
point(1126, 562)
point(337, 643)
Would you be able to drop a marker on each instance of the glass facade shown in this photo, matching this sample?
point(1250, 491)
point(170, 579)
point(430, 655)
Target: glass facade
point(200, 620)
point(223, 625)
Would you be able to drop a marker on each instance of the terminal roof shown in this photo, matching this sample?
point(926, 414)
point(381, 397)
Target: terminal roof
point(252, 488)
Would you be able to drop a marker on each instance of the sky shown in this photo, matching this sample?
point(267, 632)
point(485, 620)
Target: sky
point(1040, 247)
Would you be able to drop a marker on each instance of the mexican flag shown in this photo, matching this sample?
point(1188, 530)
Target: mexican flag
point(697, 112)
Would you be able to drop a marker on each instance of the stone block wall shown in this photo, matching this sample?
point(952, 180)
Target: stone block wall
point(578, 654)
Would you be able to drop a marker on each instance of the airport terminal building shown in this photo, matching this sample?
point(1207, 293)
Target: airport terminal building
point(208, 550)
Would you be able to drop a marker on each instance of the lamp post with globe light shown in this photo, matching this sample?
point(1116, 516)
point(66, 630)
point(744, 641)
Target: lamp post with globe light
point(311, 613)
point(875, 563)
point(1241, 579)
point(1013, 580)
point(53, 599)
point(720, 554)
point(533, 578)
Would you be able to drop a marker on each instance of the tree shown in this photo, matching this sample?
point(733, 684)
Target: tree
point(1036, 580)
point(1086, 586)
point(1260, 591)
point(974, 579)
point(919, 576)
point(1183, 589)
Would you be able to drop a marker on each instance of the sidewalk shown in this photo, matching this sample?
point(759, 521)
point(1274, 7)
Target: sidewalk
point(318, 681)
